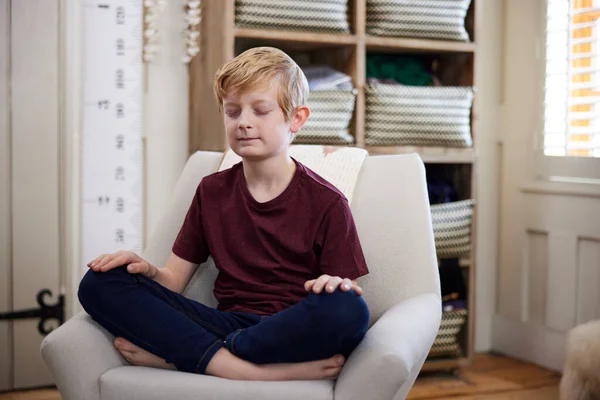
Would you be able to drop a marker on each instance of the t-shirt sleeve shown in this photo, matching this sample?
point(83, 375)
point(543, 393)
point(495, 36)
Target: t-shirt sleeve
point(190, 243)
point(339, 252)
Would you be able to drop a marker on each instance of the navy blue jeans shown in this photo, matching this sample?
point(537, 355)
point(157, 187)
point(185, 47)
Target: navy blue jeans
point(188, 334)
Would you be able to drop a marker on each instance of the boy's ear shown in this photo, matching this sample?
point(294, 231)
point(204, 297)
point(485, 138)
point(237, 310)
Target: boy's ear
point(299, 118)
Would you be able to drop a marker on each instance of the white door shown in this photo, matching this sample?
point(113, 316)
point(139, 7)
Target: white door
point(29, 181)
point(549, 251)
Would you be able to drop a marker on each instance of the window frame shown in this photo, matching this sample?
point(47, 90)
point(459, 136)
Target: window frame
point(576, 169)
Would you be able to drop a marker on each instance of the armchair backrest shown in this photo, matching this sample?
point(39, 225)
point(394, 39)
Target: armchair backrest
point(391, 209)
point(393, 218)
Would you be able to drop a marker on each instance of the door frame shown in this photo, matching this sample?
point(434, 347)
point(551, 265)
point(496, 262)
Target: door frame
point(6, 342)
point(71, 75)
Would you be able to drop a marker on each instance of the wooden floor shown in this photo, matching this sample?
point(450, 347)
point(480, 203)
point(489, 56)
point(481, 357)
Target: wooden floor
point(490, 377)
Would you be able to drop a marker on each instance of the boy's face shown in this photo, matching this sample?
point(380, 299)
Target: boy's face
point(255, 125)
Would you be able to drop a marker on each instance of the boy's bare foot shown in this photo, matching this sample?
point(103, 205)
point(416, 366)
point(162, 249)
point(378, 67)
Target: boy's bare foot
point(327, 369)
point(140, 357)
point(226, 365)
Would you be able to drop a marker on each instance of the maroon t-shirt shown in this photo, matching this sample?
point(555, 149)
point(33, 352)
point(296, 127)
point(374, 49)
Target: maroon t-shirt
point(265, 252)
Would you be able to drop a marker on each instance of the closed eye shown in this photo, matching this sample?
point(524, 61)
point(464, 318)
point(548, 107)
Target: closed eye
point(232, 113)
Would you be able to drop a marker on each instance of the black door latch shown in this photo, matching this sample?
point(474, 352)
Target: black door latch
point(45, 312)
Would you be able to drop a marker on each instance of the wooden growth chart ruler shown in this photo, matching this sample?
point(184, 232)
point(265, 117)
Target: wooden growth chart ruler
point(112, 127)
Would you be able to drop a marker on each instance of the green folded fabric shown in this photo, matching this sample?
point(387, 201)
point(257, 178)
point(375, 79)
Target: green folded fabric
point(407, 70)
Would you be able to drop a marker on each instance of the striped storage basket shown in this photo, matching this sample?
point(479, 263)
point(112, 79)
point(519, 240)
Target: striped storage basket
point(427, 19)
point(330, 115)
point(452, 228)
point(446, 342)
point(418, 115)
point(297, 15)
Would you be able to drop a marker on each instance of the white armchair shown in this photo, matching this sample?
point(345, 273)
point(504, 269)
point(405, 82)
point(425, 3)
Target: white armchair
point(391, 210)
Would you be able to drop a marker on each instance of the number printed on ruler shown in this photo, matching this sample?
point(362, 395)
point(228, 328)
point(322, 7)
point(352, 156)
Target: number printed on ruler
point(112, 124)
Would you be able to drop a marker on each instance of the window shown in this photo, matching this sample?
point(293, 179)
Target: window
point(572, 79)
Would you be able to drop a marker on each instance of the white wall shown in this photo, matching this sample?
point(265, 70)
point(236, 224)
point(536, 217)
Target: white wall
point(549, 246)
point(166, 116)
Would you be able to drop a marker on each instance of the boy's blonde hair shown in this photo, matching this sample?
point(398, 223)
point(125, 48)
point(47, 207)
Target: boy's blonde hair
point(257, 68)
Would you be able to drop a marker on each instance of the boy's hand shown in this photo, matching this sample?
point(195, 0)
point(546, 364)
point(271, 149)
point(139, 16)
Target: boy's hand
point(137, 265)
point(331, 283)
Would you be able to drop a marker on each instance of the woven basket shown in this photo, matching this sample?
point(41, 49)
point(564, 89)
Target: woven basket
point(446, 342)
point(330, 115)
point(427, 19)
point(418, 115)
point(452, 228)
point(298, 15)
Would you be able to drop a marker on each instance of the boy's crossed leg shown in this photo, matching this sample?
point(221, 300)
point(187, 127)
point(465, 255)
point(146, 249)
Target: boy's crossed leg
point(163, 327)
point(317, 327)
point(177, 329)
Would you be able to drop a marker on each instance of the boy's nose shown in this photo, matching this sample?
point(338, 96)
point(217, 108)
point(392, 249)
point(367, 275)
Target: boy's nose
point(244, 126)
point(244, 121)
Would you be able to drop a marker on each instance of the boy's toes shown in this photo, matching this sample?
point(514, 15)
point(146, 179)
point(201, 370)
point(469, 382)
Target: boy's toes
point(336, 361)
point(124, 344)
point(127, 355)
point(333, 373)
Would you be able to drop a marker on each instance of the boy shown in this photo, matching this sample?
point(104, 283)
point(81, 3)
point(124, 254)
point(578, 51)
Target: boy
point(282, 238)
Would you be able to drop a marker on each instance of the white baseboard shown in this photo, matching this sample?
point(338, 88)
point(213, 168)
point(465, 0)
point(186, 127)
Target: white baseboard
point(529, 342)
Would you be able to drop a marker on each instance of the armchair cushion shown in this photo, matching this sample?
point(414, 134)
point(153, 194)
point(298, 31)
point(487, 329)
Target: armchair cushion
point(140, 383)
point(340, 167)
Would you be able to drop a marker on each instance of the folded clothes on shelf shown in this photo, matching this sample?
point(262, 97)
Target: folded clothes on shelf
point(324, 77)
point(452, 305)
point(393, 68)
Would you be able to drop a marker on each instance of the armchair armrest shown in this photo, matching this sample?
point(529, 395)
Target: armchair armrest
point(78, 353)
point(387, 361)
